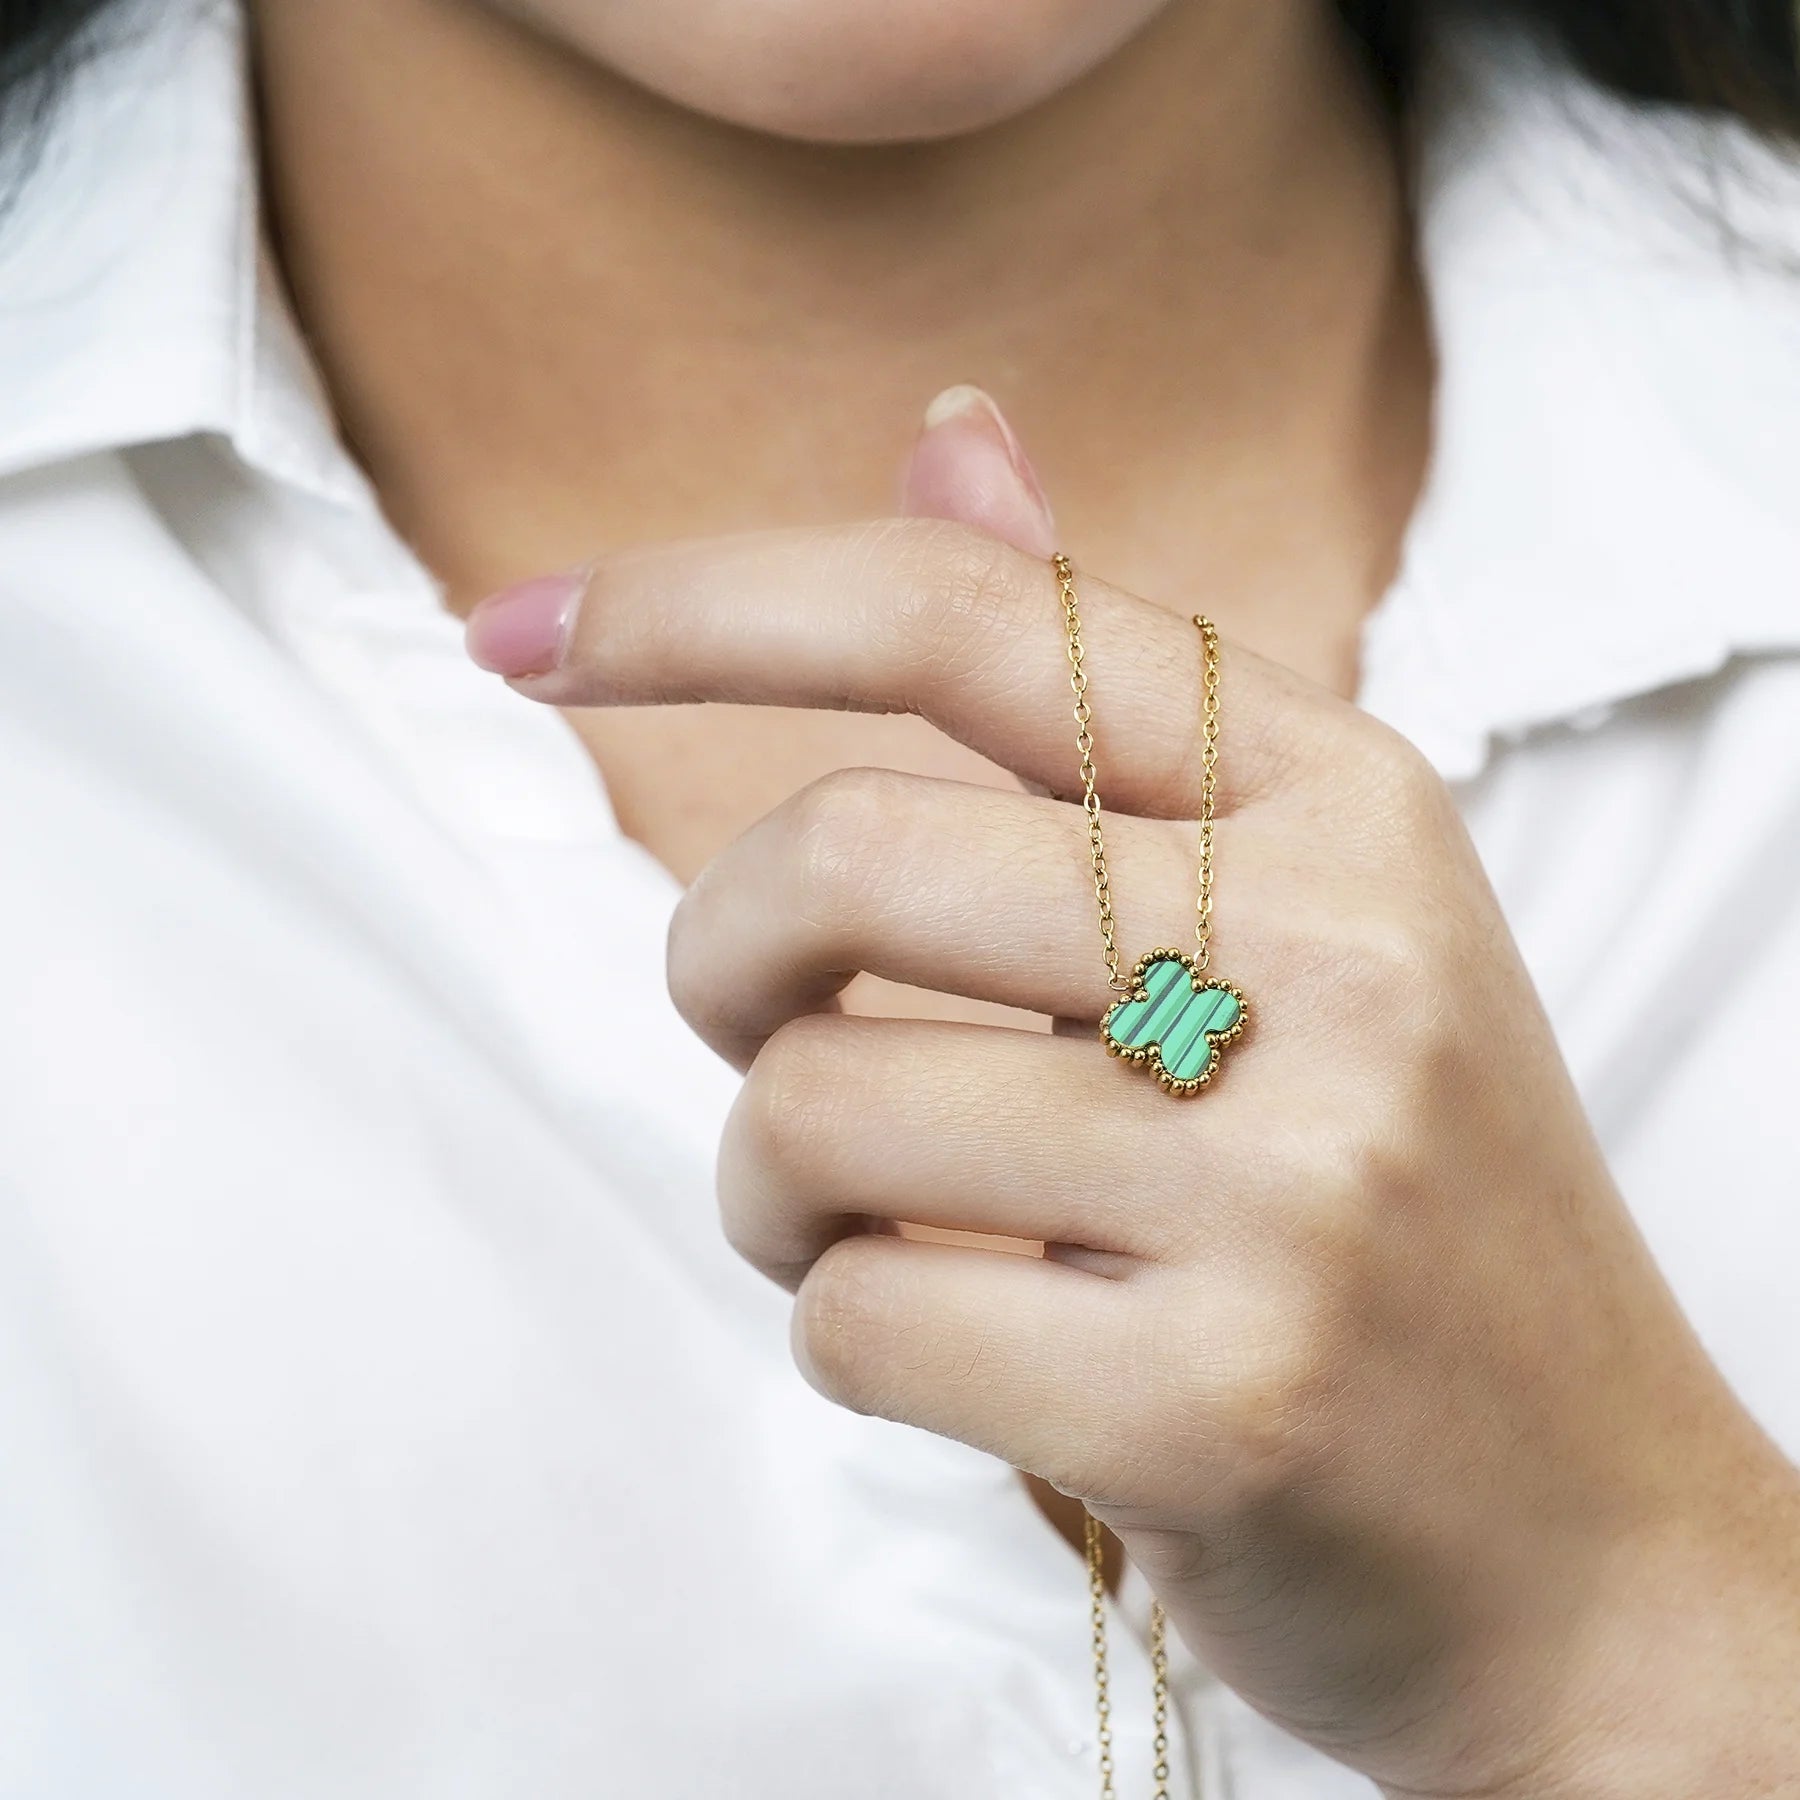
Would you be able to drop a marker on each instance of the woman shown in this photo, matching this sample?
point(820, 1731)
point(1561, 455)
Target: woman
point(383, 1411)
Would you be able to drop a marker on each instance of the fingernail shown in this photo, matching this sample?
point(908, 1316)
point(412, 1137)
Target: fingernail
point(978, 410)
point(968, 465)
point(524, 629)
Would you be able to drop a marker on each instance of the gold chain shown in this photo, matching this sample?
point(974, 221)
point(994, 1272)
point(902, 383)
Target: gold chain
point(1090, 806)
point(1090, 794)
point(1209, 781)
point(1090, 797)
point(1159, 1673)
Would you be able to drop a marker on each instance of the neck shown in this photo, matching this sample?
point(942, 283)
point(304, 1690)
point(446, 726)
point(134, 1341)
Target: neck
point(557, 314)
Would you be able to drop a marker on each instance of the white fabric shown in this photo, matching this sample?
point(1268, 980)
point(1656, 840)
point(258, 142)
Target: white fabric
point(380, 1413)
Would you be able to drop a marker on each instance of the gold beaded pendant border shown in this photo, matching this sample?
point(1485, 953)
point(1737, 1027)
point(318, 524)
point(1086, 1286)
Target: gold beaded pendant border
point(1149, 1057)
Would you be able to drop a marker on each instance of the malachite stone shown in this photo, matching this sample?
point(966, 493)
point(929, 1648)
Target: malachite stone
point(1177, 1019)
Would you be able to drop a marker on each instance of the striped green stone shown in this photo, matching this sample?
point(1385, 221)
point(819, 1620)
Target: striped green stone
point(1175, 1017)
point(1186, 1045)
point(1165, 989)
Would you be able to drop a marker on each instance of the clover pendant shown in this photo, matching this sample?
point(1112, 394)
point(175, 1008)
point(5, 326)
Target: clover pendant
point(1174, 1022)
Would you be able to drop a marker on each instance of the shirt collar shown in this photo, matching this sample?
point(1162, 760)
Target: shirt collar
point(137, 301)
point(1609, 508)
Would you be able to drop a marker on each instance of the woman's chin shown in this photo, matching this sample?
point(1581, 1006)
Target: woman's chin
point(848, 71)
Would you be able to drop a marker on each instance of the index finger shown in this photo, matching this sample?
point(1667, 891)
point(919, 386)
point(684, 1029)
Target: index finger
point(936, 619)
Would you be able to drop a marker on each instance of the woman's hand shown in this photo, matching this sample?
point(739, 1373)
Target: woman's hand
point(1358, 1350)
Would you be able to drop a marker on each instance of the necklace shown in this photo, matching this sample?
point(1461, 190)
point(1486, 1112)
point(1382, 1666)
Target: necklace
point(1172, 1028)
point(1175, 1029)
point(1159, 1673)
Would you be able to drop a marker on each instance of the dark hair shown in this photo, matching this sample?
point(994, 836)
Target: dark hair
point(38, 39)
point(1738, 57)
point(1733, 57)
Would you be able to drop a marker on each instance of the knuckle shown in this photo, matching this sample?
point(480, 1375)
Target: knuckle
point(846, 828)
point(1408, 802)
point(743, 1223)
point(1268, 1412)
point(1405, 990)
point(1388, 965)
point(1286, 1327)
point(786, 1116)
point(691, 953)
point(962, 602)
point(1321, 1217)
point(840, 1315)
point(1386, 970)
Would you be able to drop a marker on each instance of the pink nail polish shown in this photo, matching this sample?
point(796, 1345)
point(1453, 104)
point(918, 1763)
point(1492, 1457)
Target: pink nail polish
point(524, 629)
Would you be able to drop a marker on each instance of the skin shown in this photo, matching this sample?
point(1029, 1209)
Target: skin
point(1381, 1390)
point(558, 315)
point(1359, 1353)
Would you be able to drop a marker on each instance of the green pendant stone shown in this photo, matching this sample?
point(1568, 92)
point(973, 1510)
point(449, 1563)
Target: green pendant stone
point(1174, 1017)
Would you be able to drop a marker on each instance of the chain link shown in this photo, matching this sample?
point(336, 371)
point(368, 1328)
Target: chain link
point(1159, 1672)
point(1102, 1689)
point(1090, 795)
point(1209, 781)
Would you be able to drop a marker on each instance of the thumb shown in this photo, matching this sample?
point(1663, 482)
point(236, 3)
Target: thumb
point(968, 466)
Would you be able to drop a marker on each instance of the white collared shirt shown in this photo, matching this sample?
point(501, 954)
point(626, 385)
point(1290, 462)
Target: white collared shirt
point(380, 1412)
